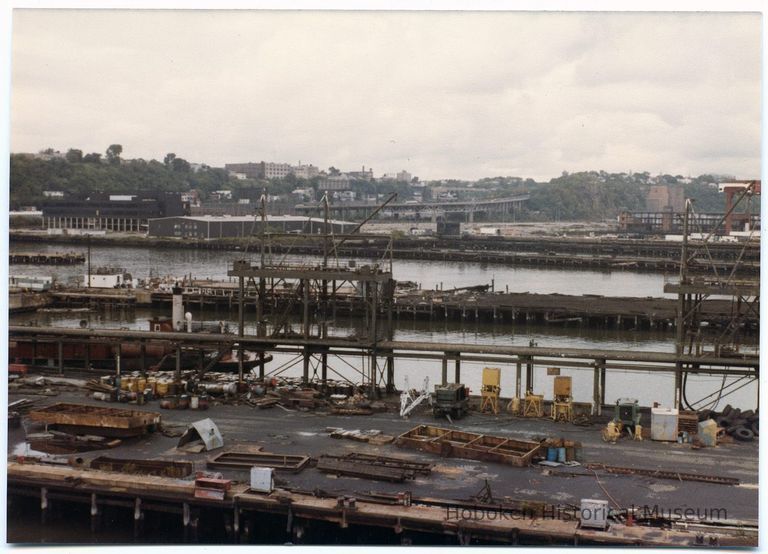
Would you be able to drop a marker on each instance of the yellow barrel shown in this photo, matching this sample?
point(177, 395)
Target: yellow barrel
point(162, 388)
point(152, 384)
point(141, 384)
point(126, 383)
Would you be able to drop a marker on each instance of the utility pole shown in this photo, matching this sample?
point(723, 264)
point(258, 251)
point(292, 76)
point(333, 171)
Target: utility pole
point(89, 260)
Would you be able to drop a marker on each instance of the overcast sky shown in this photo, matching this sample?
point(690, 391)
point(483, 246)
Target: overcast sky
point(442, 95)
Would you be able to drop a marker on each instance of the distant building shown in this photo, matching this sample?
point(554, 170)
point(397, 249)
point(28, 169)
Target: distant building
point(191, 197)
point(335, 182)
point(260, 170)
point(401, 177)
point(306, 171)
point(345, 195)
point(662, 198)
point(250, 170)
point(363, 174)
point(276, 171)
point(221, 195)
point(303, 194)
point(214, 227)
point(115, 212)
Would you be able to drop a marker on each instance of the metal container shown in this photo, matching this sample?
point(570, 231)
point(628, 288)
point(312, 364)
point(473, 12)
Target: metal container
point(202, 402)
point(261, 479)
point(183, 402)
point(594, 513)
point(708, 432)
point(551, 454)
point(162, 388)
point(664, 424)
point(194, 402)
point(561, 455)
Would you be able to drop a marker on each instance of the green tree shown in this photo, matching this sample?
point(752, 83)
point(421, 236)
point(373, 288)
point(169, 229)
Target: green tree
point(74, 155)
point(180, 165)
point(113, 153)
point(92, 158)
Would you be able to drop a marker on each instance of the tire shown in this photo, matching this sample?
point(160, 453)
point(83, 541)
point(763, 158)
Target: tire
point(735, 413)
point(738, 421)
point(727, 410)
point(755, 428)
point(743, 434)
point(732, 429)
point(748, 414)
point(723, 421)
point(704, 415)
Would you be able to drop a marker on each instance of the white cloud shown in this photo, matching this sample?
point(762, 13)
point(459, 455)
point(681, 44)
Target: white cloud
point(440, 94)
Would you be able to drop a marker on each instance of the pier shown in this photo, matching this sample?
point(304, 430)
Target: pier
point(43, 258)
point(383, 355)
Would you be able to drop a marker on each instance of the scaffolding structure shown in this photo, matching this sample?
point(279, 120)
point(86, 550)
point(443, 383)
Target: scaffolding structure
point(693, 338)
point(314, 287)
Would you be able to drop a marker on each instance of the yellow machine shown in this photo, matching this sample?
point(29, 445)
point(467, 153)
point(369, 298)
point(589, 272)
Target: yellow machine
point(533, 405)
point(490, 389)
point(562, 406)
point(612, 431)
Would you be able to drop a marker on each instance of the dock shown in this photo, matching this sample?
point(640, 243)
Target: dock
point(46, 258)
point(308, 507)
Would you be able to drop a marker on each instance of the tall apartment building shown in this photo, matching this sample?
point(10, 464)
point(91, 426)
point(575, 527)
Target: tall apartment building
point(260, 170)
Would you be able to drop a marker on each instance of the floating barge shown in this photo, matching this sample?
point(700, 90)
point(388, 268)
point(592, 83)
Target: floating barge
point(42, 258)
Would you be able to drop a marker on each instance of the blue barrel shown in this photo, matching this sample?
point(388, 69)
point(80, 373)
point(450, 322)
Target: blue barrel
point(551, 454)
point(561, 454)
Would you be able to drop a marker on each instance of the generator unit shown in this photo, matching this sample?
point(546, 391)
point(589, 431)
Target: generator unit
point(627, 413)
point(451, 400)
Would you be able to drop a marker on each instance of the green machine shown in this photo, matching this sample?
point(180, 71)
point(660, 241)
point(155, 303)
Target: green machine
point(451, 400)
point(627, 413)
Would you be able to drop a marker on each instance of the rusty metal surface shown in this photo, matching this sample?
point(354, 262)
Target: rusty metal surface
point(340, 465)
point(662, 474)
point(93, 416)
point(473, 446)
point(163, 468)
point(234, 459)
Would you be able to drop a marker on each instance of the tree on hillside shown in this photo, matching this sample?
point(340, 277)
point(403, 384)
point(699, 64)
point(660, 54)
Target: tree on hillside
point(113, 153)
point(169, 157)
point(74, 156)
point(180, 165)
point(92, 158)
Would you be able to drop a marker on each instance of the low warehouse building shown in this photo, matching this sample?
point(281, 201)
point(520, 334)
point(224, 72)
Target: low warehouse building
point(215, 227)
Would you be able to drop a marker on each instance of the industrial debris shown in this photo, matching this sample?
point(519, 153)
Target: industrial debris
point(664, 474)
point(96, 420)
point(381, 468)
point(371, 436)
point(244, 459)
point(203, 433)
point(162, 468)
point(473, 446)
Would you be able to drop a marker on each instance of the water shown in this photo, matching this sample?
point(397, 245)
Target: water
point(647, 387)
point(214, 264)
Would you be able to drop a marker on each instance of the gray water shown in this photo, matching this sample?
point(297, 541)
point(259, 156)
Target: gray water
point(140, 262)
point(647, 387)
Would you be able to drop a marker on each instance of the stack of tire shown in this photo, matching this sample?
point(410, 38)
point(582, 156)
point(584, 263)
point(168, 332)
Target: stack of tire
point(742, 426)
